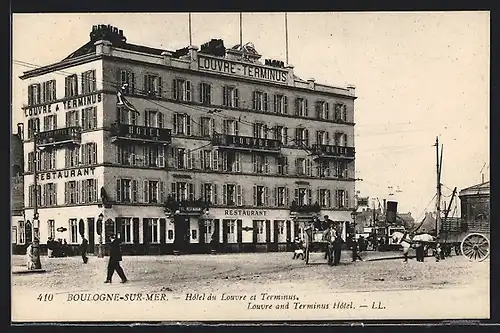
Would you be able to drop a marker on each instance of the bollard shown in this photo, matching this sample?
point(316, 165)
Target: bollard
point(35, 256)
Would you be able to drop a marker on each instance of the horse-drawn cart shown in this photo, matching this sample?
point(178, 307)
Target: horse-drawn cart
point(469, 238)
point(314, 242)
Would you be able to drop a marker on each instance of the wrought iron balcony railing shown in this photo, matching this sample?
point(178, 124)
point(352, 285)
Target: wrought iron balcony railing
point(312, 208)
point(246, 143)
point(61, 136)
point(144, 134)
point(332, 151)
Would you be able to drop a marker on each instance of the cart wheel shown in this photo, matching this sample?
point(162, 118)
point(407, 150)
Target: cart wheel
point(307, 255)
point(476, 247)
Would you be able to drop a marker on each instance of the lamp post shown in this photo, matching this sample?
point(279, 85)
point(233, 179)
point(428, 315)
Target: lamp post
point(35, 247)
point(100, 253)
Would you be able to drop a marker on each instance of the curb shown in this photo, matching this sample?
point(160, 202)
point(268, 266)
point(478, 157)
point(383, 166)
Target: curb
point(26, 271)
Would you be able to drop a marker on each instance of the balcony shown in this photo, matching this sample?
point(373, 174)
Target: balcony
point(143, 134)
point(310, 209)
point(58, 137)
point(185, 207)
point(246, 143)
point(331, 151)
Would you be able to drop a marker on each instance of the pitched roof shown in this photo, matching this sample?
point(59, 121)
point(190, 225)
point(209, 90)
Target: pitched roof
point(482, 188)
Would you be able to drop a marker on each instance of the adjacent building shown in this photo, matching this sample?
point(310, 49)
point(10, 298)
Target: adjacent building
point(17, 190)
point(214, 148)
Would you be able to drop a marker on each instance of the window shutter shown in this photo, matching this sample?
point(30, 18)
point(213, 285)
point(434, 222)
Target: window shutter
point(163, 230)
point(202, 159)
point(239, 195)
point(318, 196)
point(224, 96)
point(191, 194)
point(175, 89)
point(275, 196)
point(254, 195)
point(255, 230)
point(188, 91)
point(162, 192)
point(236, 98)
point(297, 106)
point(266, 164)
point(268, 231)
point(238, 161)
point(188, 124)
point(254, 100)
point(327, 110)
point(224, 161)
point(254, 163)
point(287, 194)
point(239, 229)
point(309, 196)
point(174, 122)
point(135, 230)
point(94, 153)
point(216, 160)
point(266, 106)
point(212, 127)
point(318, 109)
point(328, 199)
point(161, 156)
point(224, 194)
point(306, 108)
point(173, 188)
point(77, 192)
point(236, 126)
point(66, 158)
point(145, 231)
point(296, 196)
point(285, 104)
point(160, 120)
point(344, 112)
point(347, 204)
point(266, 196)
point(189, 156)
point(215, 194)
point(275, 103)
point(160, 86)
point(44, 194)
point(145, 191)
point(306, 134)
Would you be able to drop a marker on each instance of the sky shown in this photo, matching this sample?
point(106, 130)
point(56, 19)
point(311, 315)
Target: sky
point(418, 75)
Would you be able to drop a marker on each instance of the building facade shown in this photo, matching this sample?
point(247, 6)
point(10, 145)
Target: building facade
point(213, 148)
point(17, 190)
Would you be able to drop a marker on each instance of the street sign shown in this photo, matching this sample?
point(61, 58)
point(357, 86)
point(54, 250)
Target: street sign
point(61, 229)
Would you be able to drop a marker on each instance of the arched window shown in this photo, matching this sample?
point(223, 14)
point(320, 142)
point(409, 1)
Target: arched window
point(28, 230)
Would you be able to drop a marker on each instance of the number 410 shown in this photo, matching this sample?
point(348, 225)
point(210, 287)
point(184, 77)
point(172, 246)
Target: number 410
point(45, 297)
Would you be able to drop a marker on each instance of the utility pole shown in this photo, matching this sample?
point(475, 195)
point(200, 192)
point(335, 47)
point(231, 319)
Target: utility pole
point(438, 188)
point(35, 247)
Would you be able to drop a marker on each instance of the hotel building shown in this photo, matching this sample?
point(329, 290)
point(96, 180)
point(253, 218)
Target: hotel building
point(222, 150)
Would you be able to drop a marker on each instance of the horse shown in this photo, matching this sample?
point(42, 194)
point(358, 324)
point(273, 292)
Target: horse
point(407, 241)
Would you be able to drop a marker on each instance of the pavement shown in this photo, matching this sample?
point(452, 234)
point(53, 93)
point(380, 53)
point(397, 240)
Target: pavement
point(411, 290)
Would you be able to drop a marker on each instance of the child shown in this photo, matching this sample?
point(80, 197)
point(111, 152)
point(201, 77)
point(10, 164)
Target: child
point(437, 252)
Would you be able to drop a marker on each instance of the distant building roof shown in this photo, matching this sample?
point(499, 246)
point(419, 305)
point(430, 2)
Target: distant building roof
point(479, 189)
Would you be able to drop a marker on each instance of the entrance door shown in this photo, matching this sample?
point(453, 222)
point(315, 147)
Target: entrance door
point(91, 227)
point(28, 233)
point(181, 240)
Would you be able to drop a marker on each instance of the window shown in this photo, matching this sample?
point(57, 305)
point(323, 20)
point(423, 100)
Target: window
point(182, 123)
point(210, 193)
point(14, 235)
point(71, 191)
point(33, 127)
point(126, 154)
point(72, 118)
point(205, 93)
point(281, 196)
point(303, 166)
point(34, 94)
point(182, 90)
point(89, 81)
point(323, 168)
point(260, 196)
point(182, 191)
point(340, 112)
point(126, 230)
point(127, 116)
point(73, 231)
point(49, 91)
point(126, 190)
point(259, 101)
point(206, 159)
point(341, 170)
point(207, 126)
point(154, 156)
point(260, 130)
point(71, 86)
point(281, 227)
point(302, 137)
point(230, 126)
point(89, 118)
point(301, 107)
point(89, 190)
point(324, 198)
point(322, 110)
point(340, 139)
point(154, 191)
point(154, 231)
point(182, 158)
point(49, 192)
point(231, 161)
point(260, 164)
point(127, 78)
point(209, 230)
point(341, 199)
point(46, 160)
point(261, 235)
point(32, 195)
point(282, 165)
point(153, 118)
point(89, 153)
point(281, 133)
point(152, 85)
point(303, 196)
point(51, 228)
point(22, 232)
point(281, 104)
point(230, 97)
point(232, 195)
point(231, 230)
point(50, 122)
point(322, 137)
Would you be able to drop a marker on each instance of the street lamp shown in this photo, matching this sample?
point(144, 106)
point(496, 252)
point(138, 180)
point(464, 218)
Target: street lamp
point(100, 253)
point(35, 247)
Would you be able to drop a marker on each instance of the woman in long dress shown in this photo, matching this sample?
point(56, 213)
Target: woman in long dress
point(29, 256)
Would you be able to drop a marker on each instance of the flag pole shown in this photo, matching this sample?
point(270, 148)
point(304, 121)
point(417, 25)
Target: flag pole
point(241, 28)
point(286, 39)
point(190, 34)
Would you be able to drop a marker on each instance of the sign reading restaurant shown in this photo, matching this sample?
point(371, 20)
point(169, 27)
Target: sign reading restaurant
point(66, 174)
point(66, 105)
point(244, 212)
point(248, 70)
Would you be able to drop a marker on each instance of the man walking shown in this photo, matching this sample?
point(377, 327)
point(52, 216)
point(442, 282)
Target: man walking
point(83, 250)
point(115, 256)
point(354, 247)
point(329, 235)
point(337, 247)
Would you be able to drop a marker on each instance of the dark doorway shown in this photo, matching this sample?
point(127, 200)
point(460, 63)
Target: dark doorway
point(91, 227)
point(28, 233)
point(181, 238)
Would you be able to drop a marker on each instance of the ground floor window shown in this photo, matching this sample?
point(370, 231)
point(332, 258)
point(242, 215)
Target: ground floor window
point(21, 232)
point(51, 228)
point(281, 230)
point(231, 231)
point(208, 230)
point(14, 235)
point(261, 234)
point(126, 230)
point(73, 231)
point(154, 231)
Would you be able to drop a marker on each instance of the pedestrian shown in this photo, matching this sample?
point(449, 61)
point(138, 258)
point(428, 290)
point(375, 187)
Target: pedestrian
point(29, 256)
point(213, 243)
point(354, 247)
point(83, 250)
point(362, 244)
point(317, 223)
point(298, 249)
point(437, 252)
point(50, 247)
point(115, 256)
point(329, 237)
point(337, 247)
